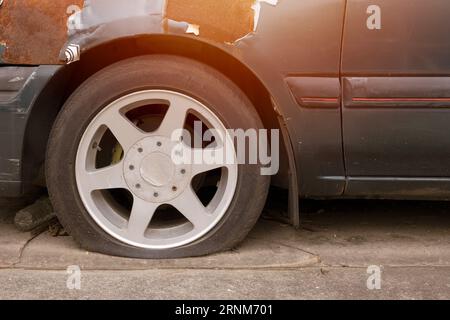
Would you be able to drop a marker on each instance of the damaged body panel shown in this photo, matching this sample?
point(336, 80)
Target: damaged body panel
point(276, 40)
point(20, 88)
point(33, 31)
point(239, 13)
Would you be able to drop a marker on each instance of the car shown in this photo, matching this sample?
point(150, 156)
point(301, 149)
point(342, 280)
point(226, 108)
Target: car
point(351, 96)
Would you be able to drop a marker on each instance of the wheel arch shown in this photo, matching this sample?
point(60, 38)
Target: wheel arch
point(46, 108)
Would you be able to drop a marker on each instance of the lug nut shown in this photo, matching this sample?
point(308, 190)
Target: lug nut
point(159, 143)
point(156, 194)
point(131, 167)
point(174, 188)
point(138, 186)
point(183, 171)
point(140, 150)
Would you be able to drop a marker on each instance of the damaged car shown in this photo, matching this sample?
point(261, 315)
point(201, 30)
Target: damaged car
point(95, 96)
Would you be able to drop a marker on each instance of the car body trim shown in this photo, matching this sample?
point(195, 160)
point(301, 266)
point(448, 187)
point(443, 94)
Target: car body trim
point(397, 92)
point(315, 92)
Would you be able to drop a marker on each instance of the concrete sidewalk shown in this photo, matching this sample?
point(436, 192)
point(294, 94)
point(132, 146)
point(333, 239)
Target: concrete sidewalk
point(327, 258)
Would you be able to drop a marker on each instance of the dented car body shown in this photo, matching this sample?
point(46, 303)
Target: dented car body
point(364, 112)
point(41, 32)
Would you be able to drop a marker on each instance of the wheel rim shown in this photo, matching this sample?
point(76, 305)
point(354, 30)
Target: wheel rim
point(148, 174)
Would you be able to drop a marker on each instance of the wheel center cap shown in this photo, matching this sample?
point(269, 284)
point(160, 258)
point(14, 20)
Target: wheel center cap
point(152, 174)
point(157, 169)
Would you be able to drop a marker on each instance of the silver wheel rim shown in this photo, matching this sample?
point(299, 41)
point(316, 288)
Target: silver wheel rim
point(148, 173)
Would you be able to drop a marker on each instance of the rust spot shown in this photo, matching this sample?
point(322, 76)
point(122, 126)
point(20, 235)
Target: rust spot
point(34, 31)
point(219, 20)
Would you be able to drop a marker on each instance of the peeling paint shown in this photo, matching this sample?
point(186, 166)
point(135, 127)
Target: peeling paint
point(33, 30)
point(242, 17)
point(194, 29)
point(2, 50)
point(42, 31)
point(257, 9)
point(99, 12)
point(209, 15)
point(222, 21)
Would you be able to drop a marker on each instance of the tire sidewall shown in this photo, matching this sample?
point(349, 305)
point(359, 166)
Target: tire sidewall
point(171, 73)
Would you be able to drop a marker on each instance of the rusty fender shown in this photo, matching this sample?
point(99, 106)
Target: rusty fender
point(57, 32)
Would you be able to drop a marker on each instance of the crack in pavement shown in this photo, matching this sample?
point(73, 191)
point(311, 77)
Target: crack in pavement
point(23, 248)
point(288, 246)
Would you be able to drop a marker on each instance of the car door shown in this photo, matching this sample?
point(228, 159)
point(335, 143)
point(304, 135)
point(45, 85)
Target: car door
point(396, 89)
